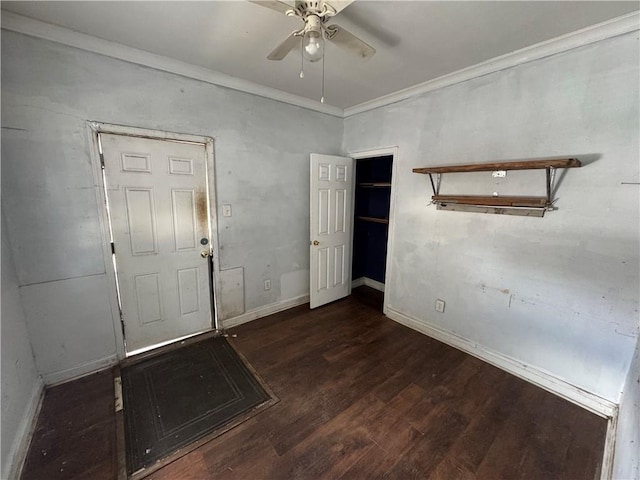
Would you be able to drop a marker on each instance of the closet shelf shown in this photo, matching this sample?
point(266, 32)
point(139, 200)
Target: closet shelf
point(374, 219)
point(375, 184)
point(517, 165)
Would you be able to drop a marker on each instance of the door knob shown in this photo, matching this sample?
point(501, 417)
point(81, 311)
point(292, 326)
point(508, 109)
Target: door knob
point(205, 253)
point(316, 242)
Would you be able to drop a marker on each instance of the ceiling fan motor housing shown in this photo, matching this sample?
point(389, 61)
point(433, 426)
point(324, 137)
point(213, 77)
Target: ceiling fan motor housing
point(313, 23)
point(309, 6)
point(320, 9)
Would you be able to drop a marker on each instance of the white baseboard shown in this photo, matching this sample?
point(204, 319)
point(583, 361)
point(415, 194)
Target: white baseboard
point(265, 311)
point(606, 472)
point(62, 376)
point(18, 451)
point(369, 282)
point(545, 380)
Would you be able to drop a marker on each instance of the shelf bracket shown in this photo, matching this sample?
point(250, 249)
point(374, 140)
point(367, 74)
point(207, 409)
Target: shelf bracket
point(435, 186)
point(551, 176)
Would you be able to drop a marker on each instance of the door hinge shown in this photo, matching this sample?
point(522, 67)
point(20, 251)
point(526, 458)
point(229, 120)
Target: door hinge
point(102, 160)
point(113, 248)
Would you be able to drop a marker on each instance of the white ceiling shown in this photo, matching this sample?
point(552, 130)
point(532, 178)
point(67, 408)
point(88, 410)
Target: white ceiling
point(416, 41)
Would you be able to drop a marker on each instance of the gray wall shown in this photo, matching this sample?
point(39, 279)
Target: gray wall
point(627, 456)
point(560, 292)
point(49, 91)
point(20, 381)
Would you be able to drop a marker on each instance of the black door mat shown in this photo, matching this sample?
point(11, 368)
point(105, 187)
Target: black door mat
point(178, 400)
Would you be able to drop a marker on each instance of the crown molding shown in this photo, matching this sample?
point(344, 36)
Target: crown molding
point(47, 31)
point(594, 33)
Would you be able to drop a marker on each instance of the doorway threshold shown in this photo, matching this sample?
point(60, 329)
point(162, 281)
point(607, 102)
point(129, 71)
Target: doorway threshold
point(177, 341)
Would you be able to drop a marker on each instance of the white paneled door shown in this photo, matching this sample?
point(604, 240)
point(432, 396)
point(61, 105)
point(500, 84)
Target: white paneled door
point(331, 228)
point(159, 216)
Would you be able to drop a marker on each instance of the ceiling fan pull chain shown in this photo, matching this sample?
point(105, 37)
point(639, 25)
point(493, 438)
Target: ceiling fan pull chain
point(301, 58)
point(322, 98)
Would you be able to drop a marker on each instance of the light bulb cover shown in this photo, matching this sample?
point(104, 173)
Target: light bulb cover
point(313, 45)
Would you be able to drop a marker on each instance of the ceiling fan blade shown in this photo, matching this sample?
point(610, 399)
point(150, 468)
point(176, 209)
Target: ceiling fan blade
point(281, 51)
point(348, 41)
point(339, 5)
point(273, 5)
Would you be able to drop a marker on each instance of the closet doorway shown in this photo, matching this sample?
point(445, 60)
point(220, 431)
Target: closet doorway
point(373, 217)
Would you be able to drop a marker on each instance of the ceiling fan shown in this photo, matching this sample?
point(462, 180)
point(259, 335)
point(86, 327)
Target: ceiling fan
point(314, 14)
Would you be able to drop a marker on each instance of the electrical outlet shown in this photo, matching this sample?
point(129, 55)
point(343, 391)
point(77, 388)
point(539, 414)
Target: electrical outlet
point(267, 284)
point(226, 210)
point(440, 306)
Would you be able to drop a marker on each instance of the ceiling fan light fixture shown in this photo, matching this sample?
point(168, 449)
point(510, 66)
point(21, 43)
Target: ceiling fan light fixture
point(312, 45)
point(314, 14)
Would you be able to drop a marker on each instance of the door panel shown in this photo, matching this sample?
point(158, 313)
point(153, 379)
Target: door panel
point(341, 211)
point(331, 227)
point(184, 219)
point(339, 266)
point(158, 203)
point(141, 219)
point(188, 290)
point(323, 269)
point(148, 297)
point(323, 212)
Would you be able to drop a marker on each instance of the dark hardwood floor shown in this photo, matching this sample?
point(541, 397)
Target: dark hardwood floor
point(360, 397)
point(75, 436)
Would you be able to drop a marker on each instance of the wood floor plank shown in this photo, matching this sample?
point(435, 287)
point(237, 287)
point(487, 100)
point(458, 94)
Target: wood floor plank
point(410, 363)
point(451, 468)
point(587, 435)
point(360, 397)
point(513, 439)
point(392, 434)
point(386, 421)
point(190, 467)
point(469, 449)
point(335, 446)
point(380, 459)
point(429, 449)
point(322, 402)
point(253, 466)
point(75, 432)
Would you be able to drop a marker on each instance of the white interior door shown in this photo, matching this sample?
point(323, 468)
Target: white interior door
point(331, 228)
point(160, 224)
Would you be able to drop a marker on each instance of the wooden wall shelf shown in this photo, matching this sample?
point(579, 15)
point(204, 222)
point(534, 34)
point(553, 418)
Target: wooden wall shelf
point(517, 165)
point(505, 201)
point(512, 205)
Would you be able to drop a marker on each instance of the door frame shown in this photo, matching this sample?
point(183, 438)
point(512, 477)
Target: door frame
point(95, 128)
point(383, 152)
